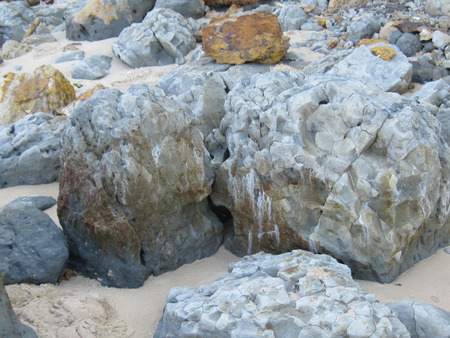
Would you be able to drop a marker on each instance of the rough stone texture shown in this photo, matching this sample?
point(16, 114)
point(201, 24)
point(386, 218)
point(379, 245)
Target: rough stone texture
point(392, 76)
point(15, 18)
point(133, 187)
point(92, 68)
point(95, 20)
point(296, 294)
point(222, 3)
point(291, 17)
point(70, 56)
point(162, 38)
point(44, 90)
point(444, 119)
point(337, 5)
point(10, 325)
point(422, 320)
point(12, 49)
point(425, 70)
point(335, 166)
point(432, 93)
point(409, 44)
point(187, 8)
point(441, 40)
point(437, 7)
point(245, 38)
point(363, 28)
point(32, 247)
point(29, 150)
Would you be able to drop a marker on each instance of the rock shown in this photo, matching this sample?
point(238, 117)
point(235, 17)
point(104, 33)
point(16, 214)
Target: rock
point(52, 16)
point(324, 64)
point(163, 38)
point(95, 20)
point(133, 187)
point(437, 7)
point(29, 150)
point(245, 38)
point(187, 8)
point(92, 68)
point(365, 27)
point(291, 17)
point(444, 119)
point(44, 90)
point(422, 320)
point(32, 247)
point(296, 294)
point(337, 5)
point(441, 40)
point(10, 325)
point(409, 44)
point(425, 70)
point(392, 76)
point(432, 93)
point(384, 52)
point(15, 17)
point(334, 165)
point(70, 56)
point(12, 49)
point(223, 3)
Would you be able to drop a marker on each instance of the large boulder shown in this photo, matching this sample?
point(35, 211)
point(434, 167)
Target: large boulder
point(29, 150)
point(45, 90)
point(163, 37)
point(15, 18)
point(241, 38)
point(187, 8)
point(93, 67)
point(32, 247)
point(10, 325)
point(133, 187)
point(332, 165)
point(93, 20)
point(296, 294)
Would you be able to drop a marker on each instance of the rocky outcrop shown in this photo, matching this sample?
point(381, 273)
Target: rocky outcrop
point(93, 20)
point(332, 165)
point(29, 150)
point(133, 187)
point(15, 18)
point(296, 294)
point(244, 38)
point(92, 68)
point(44, 90)
point(10, 325)
point(422, 320)
point(162, 38)
point(187, 8)
point(32, 247)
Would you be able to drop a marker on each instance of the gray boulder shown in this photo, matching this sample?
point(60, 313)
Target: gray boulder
point(296, 294)
point(93, 67)
point(90, 21)
point(437, 7)
point(187, 8)
point(333, 165)
point(364, 27)
point(70, 56)
point(433, 93)
point(10, 325)
point(29, 150)
point(162, 38)
point(133, 188)
point(32, 247)
point(15, 18)
point(425, 70)
point(422, 320)
point(444, 119)
point(409, 44)
point(392, 76)
point(291, 17)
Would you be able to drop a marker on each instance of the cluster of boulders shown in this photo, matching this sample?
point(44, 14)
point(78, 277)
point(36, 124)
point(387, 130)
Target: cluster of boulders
point(327, 156)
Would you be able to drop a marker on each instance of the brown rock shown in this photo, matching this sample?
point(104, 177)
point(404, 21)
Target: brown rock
point(247, 38)
point(45, 90)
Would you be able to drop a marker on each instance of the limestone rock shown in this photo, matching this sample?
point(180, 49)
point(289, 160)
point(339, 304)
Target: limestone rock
point(337, 5)
point(437, 7)
point(15, 18)
point(364, 27)
point(32, 247)
point(133, 187)
point(432, 93)
point(29, 150)
point(44, 90)
point(162, 38)
point(92, 68)
point(10, 325)
point(93, 20)
point(12, 49)
point(245, 38)
point(441, 40)
point(222, 3)
point(296, 294)
point(333, 165)
point(291, 17)
point(187, 8)
point(70, 56)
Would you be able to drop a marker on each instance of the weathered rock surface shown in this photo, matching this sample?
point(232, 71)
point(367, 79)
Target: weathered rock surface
point(10, 325)
point(44, 90)
point(291, 17)
point(70, 56)
point(296, 294)
point(392, 76)
point(425, 70)
point(95, 20)
point(162, 38)
point(363, 28)
point(32, 247)
point(133, 187)
point(337, 5)
point(422, 320)
point(433, 93)
point(29, 150)
point(222, 3)
point(335, 166)
point(437, 7)
point(15, 18)
point(240, 38)
point(187, 8)
point(92, 68)
point(12, 49)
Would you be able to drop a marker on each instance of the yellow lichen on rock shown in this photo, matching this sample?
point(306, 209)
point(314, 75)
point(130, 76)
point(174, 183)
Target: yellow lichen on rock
point(98, 9)
point(368, 42)
point(384, 52)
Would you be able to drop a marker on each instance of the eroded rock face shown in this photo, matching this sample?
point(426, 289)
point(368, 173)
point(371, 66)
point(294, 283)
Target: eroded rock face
point(15, 18)
point(240, 38)
point(133, 187)
point(45, 90)
point(332, 165)
point(296, 294)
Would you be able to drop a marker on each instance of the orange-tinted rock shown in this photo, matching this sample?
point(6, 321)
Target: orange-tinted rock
point(246, 38)
point(368, 42)
point(45, 90)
